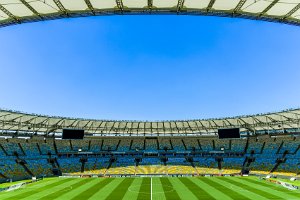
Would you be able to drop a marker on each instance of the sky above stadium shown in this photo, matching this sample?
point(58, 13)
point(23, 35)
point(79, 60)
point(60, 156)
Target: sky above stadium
point(149, 67)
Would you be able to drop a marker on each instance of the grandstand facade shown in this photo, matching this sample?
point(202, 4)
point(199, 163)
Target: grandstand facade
point(31, 146)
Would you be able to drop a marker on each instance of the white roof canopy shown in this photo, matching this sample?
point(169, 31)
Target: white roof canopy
point(273, 122)
point(21, 11)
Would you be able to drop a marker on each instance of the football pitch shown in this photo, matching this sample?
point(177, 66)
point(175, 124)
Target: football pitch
point(169, 188)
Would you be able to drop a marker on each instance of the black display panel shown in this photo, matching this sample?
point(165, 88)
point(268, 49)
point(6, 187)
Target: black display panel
point(229, 133)
point(72, 134)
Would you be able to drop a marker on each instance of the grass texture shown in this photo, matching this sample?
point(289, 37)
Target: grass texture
point(164, 188)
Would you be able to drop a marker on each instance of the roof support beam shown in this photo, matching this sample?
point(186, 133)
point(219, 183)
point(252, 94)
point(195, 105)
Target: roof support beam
point(271, 119)
point(150, 4)
point(257, 120)
point(90, 126)
point(203, 126)
point(31, 8)
point(43, 122)
point(215, 123)
point(61, 7)
point(98, 127)
point(137, 128)
point(125, 128)
point(245, 123)
point(288, 118)
point(268, 8)
point(8, 13)
point(239, 6)
point(164, 129)
point(180, 5)
point(210, 5)
point(30, 120)
point(83, 127)
point(72, 124)
point(58, 122)
point(144, 128)
point(157, 129)
point(118, 129)
point(176, 127)
point(104, 128)
point(16, 118)
point(190, 127)
point(12, 126)
point(295, 9)
point(112, 127)
point(120, 4)
point(90, 6)
point(199, 130)
point(130, 129)
point(5, 115)
point(230, 124)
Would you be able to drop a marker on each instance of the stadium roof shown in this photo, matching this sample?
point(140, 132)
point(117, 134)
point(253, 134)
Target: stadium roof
point(21, 11)
point(253, 124)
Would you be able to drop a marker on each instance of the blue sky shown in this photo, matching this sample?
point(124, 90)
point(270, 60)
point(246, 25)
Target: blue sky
point(149, 67)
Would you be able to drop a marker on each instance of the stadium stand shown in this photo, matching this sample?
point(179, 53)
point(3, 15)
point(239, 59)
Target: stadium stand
point(124, 145)
point(238, 145)
point(207, 145)
point(222, 144)
point(82, 145)
point(63, 146)
point(47, 147)
point(151, 145)
point(21, 157)
point(178, 145)
point(165, 144)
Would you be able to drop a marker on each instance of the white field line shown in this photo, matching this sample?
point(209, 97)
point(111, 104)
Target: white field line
point(151, 188)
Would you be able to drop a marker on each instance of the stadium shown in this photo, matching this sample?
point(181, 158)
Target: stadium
point(231, 158)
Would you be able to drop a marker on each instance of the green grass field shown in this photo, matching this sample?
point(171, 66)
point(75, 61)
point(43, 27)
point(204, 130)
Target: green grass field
point(297, 182)
point(190, 188)
point(4, 185)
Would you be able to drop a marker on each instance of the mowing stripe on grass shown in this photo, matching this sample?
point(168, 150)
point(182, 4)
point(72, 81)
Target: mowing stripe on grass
point(195, 189)
point(119, 192)
point(63, 191)
point(145, 189)
point(283, 195)
point(170, 193)
point(30, 187)
point(209, 189)
point(41, 194)
point(270, 185)
point(183, 191)
point(157, 189)
point(132, 192)
point(36, 190)
point(238, 189)
point(104, 192)
point(92, 190)
point(71, 194)
point(232, 194)
point(265, 194)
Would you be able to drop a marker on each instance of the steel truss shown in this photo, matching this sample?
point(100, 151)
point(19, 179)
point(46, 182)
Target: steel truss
point(11, 121)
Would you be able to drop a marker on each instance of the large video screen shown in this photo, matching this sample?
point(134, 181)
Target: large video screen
point(229, 133)
point(72, 134)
